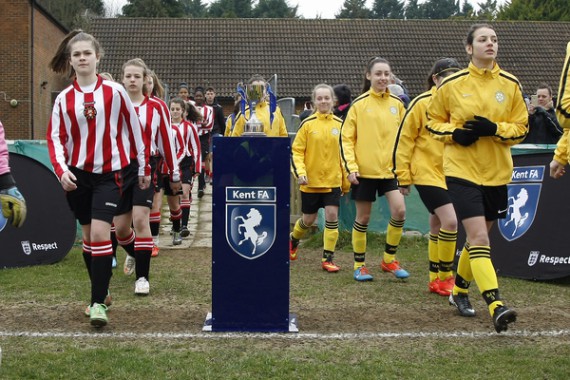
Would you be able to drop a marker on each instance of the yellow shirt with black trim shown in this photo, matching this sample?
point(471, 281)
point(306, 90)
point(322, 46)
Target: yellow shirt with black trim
point(315, 154)
point(369, 132)
point(494, 94)
point(563, 111)
point(275, 129)
point(418, 156)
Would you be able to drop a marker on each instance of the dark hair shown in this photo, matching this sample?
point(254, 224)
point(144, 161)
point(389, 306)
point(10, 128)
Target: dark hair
point(343, 94)
point(192, 113)
point(198, 89)
point(60, 61)
point(442, 68)
point(472, 30)
point(366, 85)
point(544, 85)
point(210, 88)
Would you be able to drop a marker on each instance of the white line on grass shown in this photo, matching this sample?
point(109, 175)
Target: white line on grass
point(292, 336)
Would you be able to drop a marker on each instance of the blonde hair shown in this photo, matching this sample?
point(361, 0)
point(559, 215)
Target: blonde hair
point(327, 87)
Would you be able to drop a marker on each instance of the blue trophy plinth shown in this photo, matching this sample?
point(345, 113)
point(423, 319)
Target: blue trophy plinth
point(250, 237)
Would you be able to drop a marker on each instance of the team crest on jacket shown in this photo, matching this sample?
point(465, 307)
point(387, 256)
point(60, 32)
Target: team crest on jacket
point(523, 198)
point(250, 220)
point(335, 132)
point(500, 96)
point(89, 110)
point(394, 110)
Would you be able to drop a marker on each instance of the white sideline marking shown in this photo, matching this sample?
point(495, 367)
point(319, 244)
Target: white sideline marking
point(297, 336)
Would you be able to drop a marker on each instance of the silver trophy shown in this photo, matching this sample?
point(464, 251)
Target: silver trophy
point(254, 94)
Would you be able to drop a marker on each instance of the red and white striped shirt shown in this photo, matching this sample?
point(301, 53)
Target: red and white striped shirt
point(94, 131)
point(207, 123)
point(158, 134)
point(191, 140)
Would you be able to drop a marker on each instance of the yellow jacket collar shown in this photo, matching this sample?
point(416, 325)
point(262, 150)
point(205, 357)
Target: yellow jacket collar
point(381, 95)
point(324, 116)
point(484, 73)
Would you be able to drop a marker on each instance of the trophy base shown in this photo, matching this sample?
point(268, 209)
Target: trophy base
point(254, 134)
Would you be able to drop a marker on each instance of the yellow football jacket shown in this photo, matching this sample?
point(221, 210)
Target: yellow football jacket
point(419, 157)
point(275, 129)
point(369, 132)
point(563, 110)
point(316, 154)
point(493, 94)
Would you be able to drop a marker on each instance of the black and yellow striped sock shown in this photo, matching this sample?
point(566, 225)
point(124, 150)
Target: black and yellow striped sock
point(446, 253)
point(330, 236)
point(433, 257)
point(299, 230)
point(359, 243)
point(393, 237)
point(485, 276)
point(464, 275)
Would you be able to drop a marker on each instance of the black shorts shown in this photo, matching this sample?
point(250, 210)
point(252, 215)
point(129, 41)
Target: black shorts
point(131, 180)
point(166, 186)
point(187, 170)
point(367, 188)
point(471, 200)
point(433, 197)
point(97, 195)
point(312, 202)
point(205, 145)
point(145, 197)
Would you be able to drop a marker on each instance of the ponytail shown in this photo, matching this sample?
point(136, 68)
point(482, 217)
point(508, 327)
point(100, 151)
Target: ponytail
point(60, 61)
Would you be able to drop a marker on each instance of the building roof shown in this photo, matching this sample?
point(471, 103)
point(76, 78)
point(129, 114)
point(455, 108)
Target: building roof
point(303, 53)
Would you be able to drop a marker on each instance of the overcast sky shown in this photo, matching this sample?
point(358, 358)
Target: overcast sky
point(307, 8)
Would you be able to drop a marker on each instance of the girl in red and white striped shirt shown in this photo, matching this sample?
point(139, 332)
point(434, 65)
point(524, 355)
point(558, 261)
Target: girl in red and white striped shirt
point(191, 161)
point(91, 132)
point(158, 138)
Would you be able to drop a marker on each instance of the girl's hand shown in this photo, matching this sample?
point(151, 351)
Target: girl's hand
point(302, 180)
point(67, 181)
point(353, 178)
point(144, 182)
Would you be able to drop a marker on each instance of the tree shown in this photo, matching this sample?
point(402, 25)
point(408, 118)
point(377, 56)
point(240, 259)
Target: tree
point(439, 9)
point(413, 11)
point(487, 10)
point(274, 9)
point(383, 9)
point(231, 9)
point(467, 11)
point(535, 10)
point(354, 9)
point(193, 8)
point(153, 8)
point(73, 13)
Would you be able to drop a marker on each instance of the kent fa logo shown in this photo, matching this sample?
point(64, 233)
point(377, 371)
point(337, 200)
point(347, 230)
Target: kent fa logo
point(522, 201)
point(250, 226)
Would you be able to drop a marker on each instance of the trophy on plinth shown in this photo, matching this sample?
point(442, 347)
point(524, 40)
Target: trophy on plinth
point(254, 94)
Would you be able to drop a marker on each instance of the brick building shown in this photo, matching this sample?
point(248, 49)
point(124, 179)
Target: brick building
point(30, 36)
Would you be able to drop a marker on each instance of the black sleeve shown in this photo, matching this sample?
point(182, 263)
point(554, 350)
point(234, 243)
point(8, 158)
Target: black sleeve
point(7, 181)
point(219, 120)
